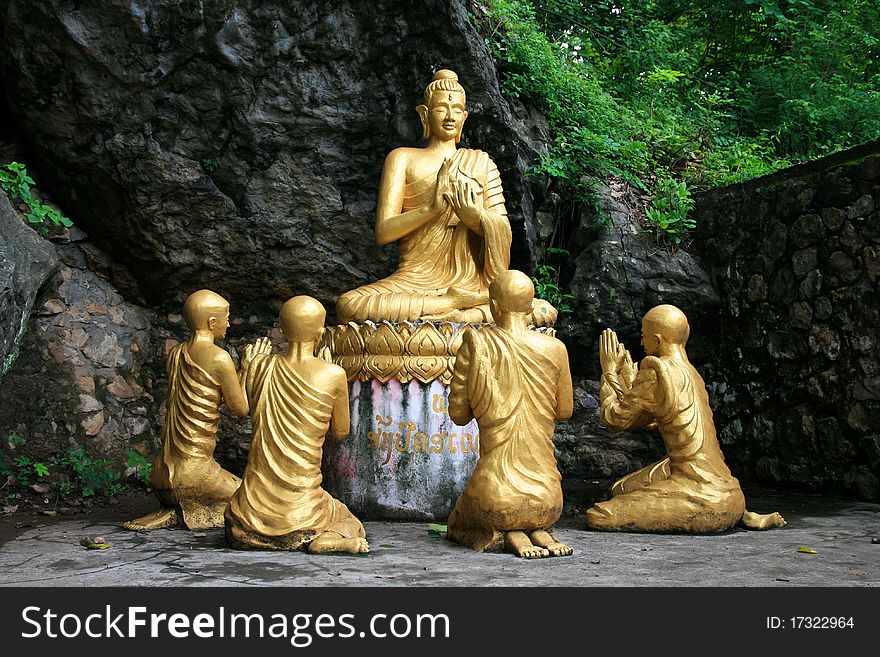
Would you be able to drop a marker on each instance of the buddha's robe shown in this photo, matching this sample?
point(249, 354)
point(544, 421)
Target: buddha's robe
point(185, 475)
point(280, 504)
point(441, 253)
point(511, 389)
point(692, 489)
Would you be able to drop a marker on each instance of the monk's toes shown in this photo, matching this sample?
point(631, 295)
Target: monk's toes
point(560, 550)
point(363, 547)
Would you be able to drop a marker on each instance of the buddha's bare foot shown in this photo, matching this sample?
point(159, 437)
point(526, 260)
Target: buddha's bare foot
point(521, 546)
point(335, 543)
point(478, 315)
point(543, 539)
point(543, 314)
point(762, 520)
point(463, 299)
point(156, 520)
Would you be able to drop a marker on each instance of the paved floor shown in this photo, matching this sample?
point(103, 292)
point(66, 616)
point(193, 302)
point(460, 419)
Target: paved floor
point(406, 554)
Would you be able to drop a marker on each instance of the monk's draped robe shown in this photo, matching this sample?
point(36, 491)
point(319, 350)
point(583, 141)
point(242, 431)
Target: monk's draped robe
point(280, 504)
point(185, 475)
point(441, 253)
point(692, 489)
point(516, 486)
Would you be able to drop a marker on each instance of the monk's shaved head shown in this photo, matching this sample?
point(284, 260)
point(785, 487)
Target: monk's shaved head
point(512, 291)
point(669, 322)
point(302, 319)
point(200, 306)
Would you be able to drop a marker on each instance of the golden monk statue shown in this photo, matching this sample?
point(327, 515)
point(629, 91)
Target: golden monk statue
point(191, 486)
point(445, 205)
point(294, 400)
point(691, 490)
point(516, 383)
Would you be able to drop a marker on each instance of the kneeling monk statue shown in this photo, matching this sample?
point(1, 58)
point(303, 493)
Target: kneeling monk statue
point(692, 489)
point(294, 399)
point(516, 383)
point(446, 207)
point(190, 484)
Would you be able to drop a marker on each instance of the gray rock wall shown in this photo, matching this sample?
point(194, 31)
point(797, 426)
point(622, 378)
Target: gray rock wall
point(796, 378)
point(85, 369)
point(237, 144)
point(26, 262)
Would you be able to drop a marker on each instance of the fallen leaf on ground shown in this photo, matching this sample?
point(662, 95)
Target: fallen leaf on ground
point(94, 543)
point(806, 550)
point(436, 530)
point(40, 488)
point(10, 509)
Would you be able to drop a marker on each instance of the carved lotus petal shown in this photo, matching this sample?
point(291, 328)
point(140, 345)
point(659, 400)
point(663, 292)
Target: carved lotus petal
point(382, 366)
point(385, 341)
point(426, 341)
point(348, 341)
point(426, 368)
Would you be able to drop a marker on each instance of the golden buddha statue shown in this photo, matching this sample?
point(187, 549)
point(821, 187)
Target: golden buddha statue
point(294, 399)
point(445, 205)
point(516, 383)
point(191, 486)
point(692, 489)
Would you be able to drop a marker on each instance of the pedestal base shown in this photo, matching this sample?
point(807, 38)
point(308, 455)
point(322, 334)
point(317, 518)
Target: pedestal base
point(405, 459)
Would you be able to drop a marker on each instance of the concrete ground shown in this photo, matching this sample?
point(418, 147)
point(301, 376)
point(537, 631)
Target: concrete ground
point(406, 554)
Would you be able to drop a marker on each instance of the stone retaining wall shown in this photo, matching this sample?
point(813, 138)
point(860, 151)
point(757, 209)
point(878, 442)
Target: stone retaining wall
point(796, 381)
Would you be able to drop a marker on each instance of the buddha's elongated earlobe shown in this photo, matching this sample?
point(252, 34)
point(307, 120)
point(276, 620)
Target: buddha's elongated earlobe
point(423, 115)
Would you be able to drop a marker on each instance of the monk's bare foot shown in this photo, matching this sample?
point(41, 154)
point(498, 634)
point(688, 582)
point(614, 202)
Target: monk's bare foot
point(543, 539)
point(156, 520)
point(521, 546)
point(762, 520)
point(335, 543)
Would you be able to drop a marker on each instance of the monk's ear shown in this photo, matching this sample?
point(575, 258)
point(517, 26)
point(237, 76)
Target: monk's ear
point(212, 322)
point(423, 115)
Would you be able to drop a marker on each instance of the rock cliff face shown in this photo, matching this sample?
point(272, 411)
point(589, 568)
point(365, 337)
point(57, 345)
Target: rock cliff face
point(238, 144)
point(26, 261)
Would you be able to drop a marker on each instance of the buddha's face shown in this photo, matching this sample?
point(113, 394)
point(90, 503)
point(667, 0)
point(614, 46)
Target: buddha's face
point(446, 115)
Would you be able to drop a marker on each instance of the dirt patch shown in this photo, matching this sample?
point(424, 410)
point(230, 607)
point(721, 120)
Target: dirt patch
point(32, 510)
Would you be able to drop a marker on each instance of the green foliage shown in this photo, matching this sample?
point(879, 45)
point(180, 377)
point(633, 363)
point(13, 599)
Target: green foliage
point(93, 476)
point(140, 465)
point(23, 468)
point(708, 92)
point(15, 180)
point(547, 287)
point(668, 212)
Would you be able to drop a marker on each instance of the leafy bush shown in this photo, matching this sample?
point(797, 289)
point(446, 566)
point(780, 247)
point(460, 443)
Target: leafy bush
point(668, 212)
point(93, 476)
point(139, 466)
point(547, 287)
point(707, 92)
point(15, 180)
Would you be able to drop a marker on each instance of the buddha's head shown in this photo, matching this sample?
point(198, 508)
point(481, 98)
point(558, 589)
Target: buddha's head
point(443, 113)
point(302, 319)
point(664, 324)
point(511, 292)
point(207, 310)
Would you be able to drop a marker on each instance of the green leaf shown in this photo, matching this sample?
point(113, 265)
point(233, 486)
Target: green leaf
point(436, 530)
